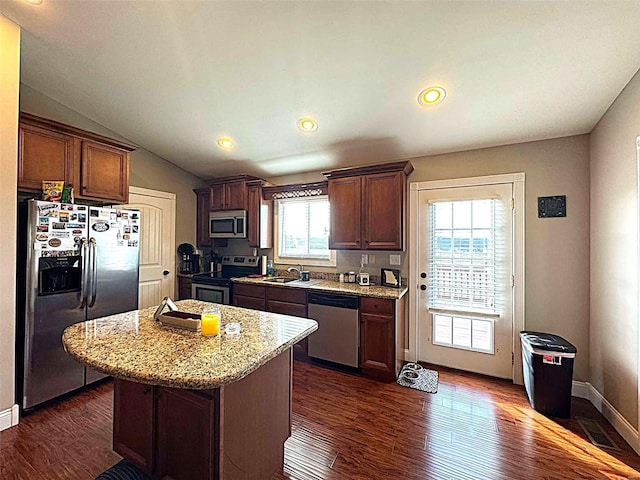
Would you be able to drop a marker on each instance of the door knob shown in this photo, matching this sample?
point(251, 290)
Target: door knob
point(423, 287)
point(166, 272)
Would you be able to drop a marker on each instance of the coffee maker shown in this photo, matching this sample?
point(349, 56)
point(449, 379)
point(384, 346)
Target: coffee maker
point(189, 261)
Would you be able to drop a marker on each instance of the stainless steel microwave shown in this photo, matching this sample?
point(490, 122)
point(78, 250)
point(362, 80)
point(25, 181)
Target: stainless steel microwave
point(228, 224)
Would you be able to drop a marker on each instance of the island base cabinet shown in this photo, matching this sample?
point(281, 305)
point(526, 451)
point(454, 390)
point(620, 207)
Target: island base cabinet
point(235, 432)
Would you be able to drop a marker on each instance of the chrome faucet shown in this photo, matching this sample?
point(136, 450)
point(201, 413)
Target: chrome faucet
point(299, 270)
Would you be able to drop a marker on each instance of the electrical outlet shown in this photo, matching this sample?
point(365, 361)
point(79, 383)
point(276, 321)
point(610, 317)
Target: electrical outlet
point(372, 258)
point(364, 260)
point(394, 259)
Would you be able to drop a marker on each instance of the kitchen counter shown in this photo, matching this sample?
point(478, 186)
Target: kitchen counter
point(373, 291)
point(131, 346)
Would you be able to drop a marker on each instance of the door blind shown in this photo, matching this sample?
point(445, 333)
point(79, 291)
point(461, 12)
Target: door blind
point(466, 251)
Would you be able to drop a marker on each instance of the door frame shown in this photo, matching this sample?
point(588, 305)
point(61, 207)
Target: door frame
point(517, 181)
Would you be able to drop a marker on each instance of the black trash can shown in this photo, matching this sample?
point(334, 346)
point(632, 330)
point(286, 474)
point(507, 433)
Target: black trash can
point(547, 363)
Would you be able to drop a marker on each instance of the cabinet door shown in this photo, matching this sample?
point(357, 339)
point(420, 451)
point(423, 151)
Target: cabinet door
point(249, 302)
point(377, 338)
point(203, 206)
point(383, 202)
point(236, 196)
point(345, 199)
point(286, 308)
point(184, 288)
point(105, 173)
point(133, 423)
point(217, 196)
point(260, 219)
point(46, 155)
point(188, 435)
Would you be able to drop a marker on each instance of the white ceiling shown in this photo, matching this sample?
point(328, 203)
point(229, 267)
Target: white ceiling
point(173, 76)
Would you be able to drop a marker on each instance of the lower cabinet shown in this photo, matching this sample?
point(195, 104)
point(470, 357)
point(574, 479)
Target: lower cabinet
point(249, 296)
point(134, 440)
point(290, 302)
point(184, 287)
point(381, 337)
point(233, 432)
point(186, 434)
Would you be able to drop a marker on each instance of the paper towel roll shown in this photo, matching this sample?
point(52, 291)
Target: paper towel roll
point(263, 269)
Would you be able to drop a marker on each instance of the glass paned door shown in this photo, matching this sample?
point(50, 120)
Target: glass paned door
point(465, 262)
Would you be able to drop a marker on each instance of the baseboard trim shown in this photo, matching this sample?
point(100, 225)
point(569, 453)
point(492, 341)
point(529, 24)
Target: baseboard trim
point(9, 417)
point(622, 426)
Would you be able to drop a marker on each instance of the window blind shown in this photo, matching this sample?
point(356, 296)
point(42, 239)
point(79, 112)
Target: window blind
point(303, 228)
point(466, 252)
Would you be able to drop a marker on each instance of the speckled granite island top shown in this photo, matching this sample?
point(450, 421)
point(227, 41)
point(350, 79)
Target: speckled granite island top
point(131, 346)
point(374, 291)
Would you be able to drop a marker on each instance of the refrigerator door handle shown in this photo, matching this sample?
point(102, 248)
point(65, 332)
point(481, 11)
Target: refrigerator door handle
point(94, 271)
point(84, 283)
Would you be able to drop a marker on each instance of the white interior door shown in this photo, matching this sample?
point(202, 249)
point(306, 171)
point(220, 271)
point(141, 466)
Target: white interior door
point(157, 243)
point(465, 269)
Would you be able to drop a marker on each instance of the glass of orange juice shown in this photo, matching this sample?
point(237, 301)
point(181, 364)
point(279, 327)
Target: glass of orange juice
point(210, 318)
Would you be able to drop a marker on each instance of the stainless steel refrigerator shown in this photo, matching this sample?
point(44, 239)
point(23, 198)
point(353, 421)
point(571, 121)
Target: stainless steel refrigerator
point(81, 264)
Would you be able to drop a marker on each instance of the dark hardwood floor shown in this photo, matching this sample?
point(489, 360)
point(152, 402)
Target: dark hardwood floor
point(346, 427)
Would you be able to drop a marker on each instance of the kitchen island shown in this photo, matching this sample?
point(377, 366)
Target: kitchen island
point(194, 407)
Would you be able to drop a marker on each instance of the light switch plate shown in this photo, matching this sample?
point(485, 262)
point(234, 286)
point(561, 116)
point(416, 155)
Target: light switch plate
point(394, 259)
point(372, 258)
point(364, 260)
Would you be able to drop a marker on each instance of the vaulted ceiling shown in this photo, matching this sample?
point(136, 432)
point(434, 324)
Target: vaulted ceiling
point(175, 76)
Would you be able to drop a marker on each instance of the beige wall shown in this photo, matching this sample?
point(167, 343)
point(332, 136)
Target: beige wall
point(614, 253)
point(556, 249)
point(147, 169)
point(9, 86)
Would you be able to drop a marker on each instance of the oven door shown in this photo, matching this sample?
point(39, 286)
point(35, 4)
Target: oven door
point(210, 293)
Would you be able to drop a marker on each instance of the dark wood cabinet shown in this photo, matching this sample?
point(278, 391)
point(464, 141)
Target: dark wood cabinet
point(229, 194)
point(134, 440)
point(186, 434)
point(184, 287)
point(97, 167)
point(367, 207)
point(57, 156)
point(345, 197)
point(249, 296)
point(260, 217)
point(203, 207)
point(381, 337)
point(105, 172)
point(233, 432)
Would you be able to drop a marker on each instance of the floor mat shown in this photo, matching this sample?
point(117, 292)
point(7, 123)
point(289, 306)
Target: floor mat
point(595, 433)
point(426, 380)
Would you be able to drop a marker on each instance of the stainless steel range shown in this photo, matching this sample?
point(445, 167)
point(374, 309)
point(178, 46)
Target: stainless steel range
point(216, 287)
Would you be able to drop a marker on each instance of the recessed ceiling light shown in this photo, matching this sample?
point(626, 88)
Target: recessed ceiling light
point(431, 95)
point(307, 125)
point(226, 143)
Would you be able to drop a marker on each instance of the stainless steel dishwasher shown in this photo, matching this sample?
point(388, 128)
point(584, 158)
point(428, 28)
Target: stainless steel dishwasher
point(338, 336)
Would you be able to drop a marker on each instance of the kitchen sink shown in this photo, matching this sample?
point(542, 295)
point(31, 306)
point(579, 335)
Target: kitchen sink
point(280, 279)
point(293, 281)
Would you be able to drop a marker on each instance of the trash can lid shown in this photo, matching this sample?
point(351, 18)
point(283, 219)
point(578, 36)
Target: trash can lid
point(547, 341)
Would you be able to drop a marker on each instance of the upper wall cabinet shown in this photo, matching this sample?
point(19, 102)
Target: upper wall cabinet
point(229, 193)
point(260, 216)
point(203, 206)
point(96, 166)
point(368, 206)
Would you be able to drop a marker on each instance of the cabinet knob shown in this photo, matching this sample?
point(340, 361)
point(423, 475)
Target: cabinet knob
point(423, 275)
point(423, 287)
point(165, 272)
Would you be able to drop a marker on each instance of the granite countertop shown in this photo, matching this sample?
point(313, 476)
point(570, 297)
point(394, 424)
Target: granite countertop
point(133, 347)
point(333, 287)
